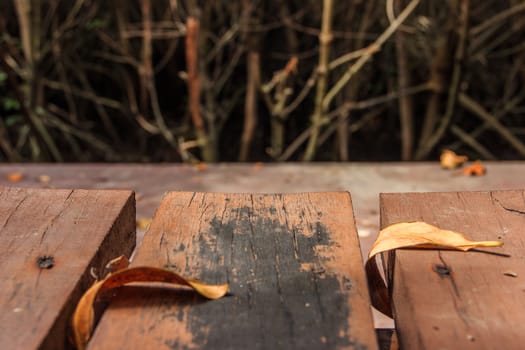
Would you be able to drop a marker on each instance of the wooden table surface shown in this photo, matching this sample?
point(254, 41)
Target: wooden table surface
point(364, 180)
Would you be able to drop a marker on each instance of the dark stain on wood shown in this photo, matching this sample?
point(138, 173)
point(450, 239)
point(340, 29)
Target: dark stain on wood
point(291, 301)
point(293, 264)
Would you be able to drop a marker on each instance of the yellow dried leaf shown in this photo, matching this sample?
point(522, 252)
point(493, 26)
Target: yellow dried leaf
point(416, 234)
point(450, 160)
point(143, 223)
point(419, 234)
point(84, 315)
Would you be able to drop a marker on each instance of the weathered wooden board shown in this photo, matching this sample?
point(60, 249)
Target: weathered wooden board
point(49, 241)
point(292, 261)
point(456, 300)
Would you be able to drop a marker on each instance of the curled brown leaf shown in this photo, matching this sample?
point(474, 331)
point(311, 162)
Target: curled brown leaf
point(416, 234)
point(84, 315)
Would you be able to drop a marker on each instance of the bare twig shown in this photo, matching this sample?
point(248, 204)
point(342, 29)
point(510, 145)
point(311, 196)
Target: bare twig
point(30, 96)
point(252, 84)
point(157, 113)
point(344, 109)
point(68, 94)
point(5, 144)
point(276, 104)
point(406, 115)
point(447, 118)
point(250, 107)
point(310, 83)
point(372, 49)
point(498, 115)
point(192, 37)
point(87, 137)
point(23, 11)
point(351, 128)
point(146, 66)
point(325, 39)
point(351, 92)
point(497, 19)
point(350, 57)
point(88, 95)
point(474, 107)
point(374, 101)
point(472, 142)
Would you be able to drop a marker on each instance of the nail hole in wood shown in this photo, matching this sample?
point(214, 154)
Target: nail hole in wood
point(442, 270)
point(45, 262)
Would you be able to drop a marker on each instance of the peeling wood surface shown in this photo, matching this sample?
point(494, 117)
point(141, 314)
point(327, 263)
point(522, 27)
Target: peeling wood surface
point(456, 300)
point(49, 241)
point(293, 263)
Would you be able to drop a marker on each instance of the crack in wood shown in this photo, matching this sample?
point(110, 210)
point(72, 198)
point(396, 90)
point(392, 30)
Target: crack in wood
point(14, 211)
point(517, 211)
point(459, 309)
point(191, 199)
point(56, 217)
point(292, 228)
point(512, 210)
point(287, 313)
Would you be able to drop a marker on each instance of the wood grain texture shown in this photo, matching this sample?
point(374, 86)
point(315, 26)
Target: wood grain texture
point(49, 241)
point(292, 261)
point(456, 300)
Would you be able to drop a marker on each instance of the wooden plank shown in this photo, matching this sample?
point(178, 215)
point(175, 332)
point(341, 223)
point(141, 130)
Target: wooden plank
point(456, 300)
point(292, 261)
point(49, 241)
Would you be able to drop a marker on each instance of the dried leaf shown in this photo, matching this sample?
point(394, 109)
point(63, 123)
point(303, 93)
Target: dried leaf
point(84, 315)
point(201, 166)
point(15, 177)
point(143, 223)
point(450, 160)
point(419, 234)
point(416, 234)
point(476, 169)
point(44, 179)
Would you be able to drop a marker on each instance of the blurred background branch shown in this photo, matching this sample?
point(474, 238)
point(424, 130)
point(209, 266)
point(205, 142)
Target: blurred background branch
point(195, 80)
